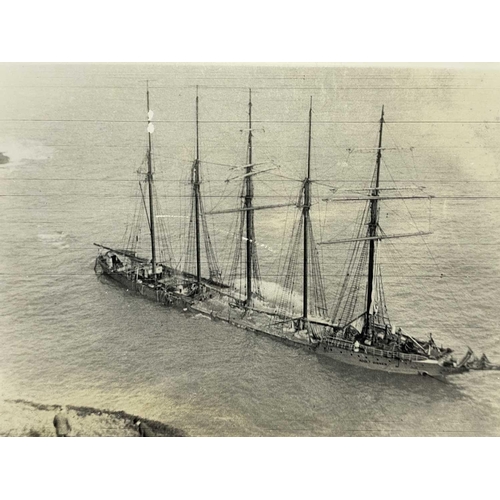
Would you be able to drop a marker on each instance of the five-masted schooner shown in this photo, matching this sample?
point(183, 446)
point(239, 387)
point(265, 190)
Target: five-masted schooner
point(360, 337)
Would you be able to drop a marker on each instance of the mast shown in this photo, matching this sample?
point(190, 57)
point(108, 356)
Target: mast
point(372, 228)
point(305, 214)
point(196, 192)
point(248, 205)
point(150, 185)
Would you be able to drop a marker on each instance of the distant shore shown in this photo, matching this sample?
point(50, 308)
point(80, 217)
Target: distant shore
point(26, 418)
point(3, 159)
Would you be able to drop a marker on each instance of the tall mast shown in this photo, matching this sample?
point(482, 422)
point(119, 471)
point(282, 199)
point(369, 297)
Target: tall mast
point(248, 205)
point(150, 185)
point(196, 192)
point(305, 214)
point(372, 228)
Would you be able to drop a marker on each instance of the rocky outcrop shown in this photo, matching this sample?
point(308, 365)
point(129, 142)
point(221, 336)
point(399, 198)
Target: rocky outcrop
point(25, 418)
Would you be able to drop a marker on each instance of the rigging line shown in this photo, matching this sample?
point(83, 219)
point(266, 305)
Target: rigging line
point(165, 231)
point(285, 229)
point(410, 283)
point(225, 88)
point(268, 185)
point(291, 178)
point(185, 160)
point(237, 239)
point(487, 277)
point(181, 222)
point(343, 229)
point(146, 211)
point(206, 175)
point(303, 76)
point(319, 183)
point(413, 162)
point(275, 145)
point(437, 266)
point(404, 202)
point(347, 295)
point(356, 252)
point(401, 264)
point(486, 75)
point(288, 263)
point(227, 244)
point(361, 175)
point(430, 214)
point(399, 149)
point(322, 225)
point(130, 219)
point(137, 228)
point(320, 122)
point(345, 166)
point(393, 212)
point(111, 196)
point(136, 82)
point(159, 179)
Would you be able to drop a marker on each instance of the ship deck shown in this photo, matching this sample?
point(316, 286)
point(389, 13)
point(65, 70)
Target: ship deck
point(220, 308)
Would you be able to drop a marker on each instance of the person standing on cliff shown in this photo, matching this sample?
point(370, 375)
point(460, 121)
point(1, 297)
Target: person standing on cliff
point(61, 423)
point(144, 429)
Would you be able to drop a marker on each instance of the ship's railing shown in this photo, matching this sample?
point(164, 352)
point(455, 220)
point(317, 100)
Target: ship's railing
point(349, 346)
point(392, 354)
point(343, 344)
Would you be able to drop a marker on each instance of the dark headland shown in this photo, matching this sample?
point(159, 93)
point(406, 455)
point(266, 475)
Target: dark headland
point(25, 418)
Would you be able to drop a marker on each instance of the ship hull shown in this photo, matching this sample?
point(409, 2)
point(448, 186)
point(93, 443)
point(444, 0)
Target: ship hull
point(344, 354)
point(184, 302)
point(381, 363)
point(143, 289)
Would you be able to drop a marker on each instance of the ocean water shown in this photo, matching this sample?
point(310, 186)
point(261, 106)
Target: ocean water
point(75, 136)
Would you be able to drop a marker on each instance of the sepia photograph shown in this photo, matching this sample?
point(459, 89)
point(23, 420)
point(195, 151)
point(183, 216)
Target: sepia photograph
point(268, 229)
point(270, 249)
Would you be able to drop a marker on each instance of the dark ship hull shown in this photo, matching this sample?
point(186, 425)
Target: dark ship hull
point(339, 350)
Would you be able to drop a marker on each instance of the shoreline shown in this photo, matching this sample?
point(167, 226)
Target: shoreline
point(21, 418)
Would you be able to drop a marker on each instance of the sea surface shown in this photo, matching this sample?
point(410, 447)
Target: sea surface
point(76, 136)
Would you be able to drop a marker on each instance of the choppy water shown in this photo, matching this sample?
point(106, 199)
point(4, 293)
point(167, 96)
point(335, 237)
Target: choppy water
point(74, 137)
